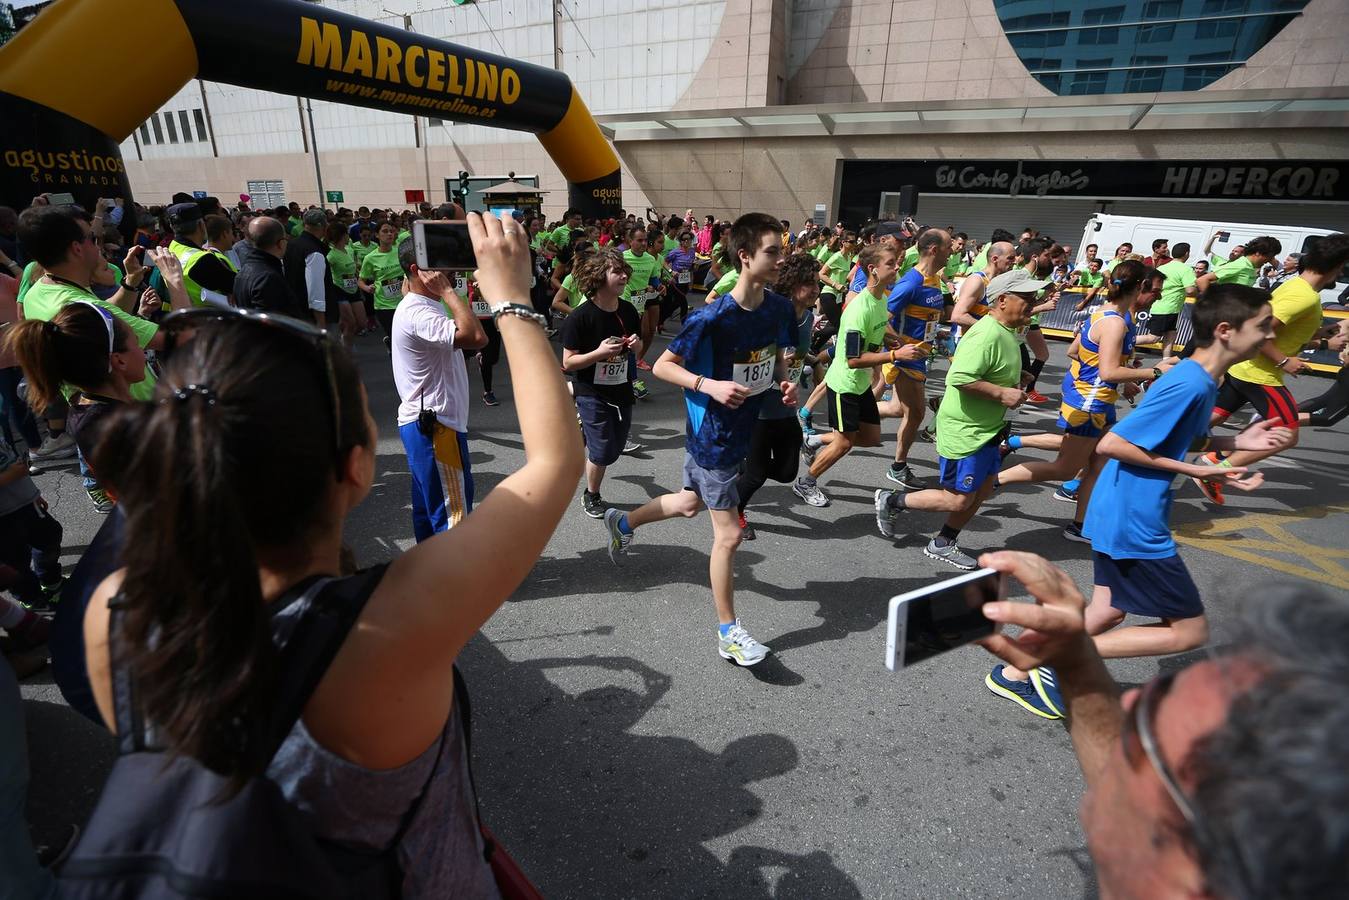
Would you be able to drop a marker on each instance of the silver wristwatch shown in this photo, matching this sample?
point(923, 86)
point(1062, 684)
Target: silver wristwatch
point(518, 309)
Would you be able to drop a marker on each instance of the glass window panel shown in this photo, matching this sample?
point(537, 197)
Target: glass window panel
point(145, 134)
point(159, 134)
point(200, 120)
point(186, 127)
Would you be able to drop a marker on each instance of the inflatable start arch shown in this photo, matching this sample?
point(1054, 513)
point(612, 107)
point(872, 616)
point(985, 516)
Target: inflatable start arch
point(62, 115)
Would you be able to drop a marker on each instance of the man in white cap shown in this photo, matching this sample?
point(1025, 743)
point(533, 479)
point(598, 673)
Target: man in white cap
point(984, 382)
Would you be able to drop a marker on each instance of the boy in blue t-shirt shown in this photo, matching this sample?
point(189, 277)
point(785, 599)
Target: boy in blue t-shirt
point(1137, 567)
point(726, 358)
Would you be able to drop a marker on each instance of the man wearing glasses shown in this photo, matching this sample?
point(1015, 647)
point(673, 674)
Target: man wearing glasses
point(1222, 779)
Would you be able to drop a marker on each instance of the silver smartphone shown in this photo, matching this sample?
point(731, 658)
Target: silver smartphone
point(443, 245)
point(941, 617)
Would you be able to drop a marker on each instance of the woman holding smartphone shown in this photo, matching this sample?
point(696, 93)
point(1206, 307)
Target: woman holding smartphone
point(271, 421)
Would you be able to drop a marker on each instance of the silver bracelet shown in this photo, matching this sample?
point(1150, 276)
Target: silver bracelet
point(518, 309)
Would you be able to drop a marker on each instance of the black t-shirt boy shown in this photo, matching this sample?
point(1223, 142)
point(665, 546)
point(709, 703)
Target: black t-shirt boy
point(585, 329)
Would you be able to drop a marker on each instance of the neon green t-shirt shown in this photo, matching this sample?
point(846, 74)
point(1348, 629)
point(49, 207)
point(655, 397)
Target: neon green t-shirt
point(386, 274)
point(1239, 271)
point(988, 351)
point(867, 315)
point(574, 296)
point(1088, 279)
point(726, 283)
point(45, 299)
point(402, 236)
point(838, 265)
point(644, 268)
point(981, 261)
point(343, 268)
point(1179, 276)
point(359, 251)
point(910, 260)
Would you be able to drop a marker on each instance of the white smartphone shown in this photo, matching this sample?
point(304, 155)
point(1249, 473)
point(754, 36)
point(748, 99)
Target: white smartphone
point(443, 245)
point(941, 617)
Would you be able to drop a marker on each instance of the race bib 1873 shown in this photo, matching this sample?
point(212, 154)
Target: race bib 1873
point(754, 368)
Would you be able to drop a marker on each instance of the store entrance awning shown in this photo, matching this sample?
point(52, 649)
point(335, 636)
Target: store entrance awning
point(1188, 110)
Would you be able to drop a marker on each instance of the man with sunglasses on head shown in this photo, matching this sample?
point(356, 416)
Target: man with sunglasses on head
point(1222, 779)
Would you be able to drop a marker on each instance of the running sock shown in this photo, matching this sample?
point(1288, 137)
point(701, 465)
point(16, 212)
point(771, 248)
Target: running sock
point(724, 628)
point(623, 525)
point(1014, 442)
point(814, 441)
point(1069, 486)
point(946, 536)
point(806, 480)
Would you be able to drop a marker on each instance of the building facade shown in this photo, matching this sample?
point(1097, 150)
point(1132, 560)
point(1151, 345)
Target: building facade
point(1016, 111)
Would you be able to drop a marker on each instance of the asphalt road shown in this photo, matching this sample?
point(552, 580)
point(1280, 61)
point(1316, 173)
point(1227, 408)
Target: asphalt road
point(618, 756)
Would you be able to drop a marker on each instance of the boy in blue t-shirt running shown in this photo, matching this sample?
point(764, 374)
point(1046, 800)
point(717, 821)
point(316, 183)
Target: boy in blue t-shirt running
point(726, 358)
point(1137, 567)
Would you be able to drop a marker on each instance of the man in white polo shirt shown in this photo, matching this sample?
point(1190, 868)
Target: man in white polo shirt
point(430, 327)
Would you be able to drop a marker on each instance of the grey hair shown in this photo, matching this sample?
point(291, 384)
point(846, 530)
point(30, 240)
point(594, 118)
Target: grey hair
point(1270, 783)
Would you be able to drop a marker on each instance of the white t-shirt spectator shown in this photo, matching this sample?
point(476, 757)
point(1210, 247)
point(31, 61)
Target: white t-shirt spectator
point(428, 369)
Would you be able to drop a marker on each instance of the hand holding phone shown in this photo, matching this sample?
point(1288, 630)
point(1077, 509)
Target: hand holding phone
point(443, 246)
point(946, 615)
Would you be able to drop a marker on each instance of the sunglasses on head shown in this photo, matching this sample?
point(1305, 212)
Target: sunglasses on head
point(108, 323)
point(306, 332)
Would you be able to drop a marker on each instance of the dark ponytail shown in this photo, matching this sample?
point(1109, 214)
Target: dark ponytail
point(211, 479)
point(1129, 276)
point(72, 348)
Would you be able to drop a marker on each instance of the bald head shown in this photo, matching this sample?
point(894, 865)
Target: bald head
point(1001, 257)
point(268, 235)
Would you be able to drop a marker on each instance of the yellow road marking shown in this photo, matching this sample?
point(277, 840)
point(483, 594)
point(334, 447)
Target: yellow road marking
point(1245, 538)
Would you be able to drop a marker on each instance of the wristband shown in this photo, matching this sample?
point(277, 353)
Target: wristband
point(1156, 372)
point(698, 385)
point(1283, 362)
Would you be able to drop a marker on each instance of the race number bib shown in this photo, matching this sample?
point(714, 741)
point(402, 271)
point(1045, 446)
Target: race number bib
point(684, 277)
point(930, 330)
point(349, 285)
point(391, 290)
point(482, 309)
point(612, 371)
point(641, 299)
point(461, 284)
point(794, 373)
point(754, 369)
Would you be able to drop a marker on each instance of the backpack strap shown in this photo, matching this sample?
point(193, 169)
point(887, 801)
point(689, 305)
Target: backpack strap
point(126, 711)
point(327, 608)
point(464, 709)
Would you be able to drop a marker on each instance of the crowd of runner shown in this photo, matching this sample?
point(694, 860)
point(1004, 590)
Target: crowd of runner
point(195, 360)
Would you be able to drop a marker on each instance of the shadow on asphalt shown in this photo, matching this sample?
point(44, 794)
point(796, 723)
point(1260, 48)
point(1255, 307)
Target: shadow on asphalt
point(602, 811)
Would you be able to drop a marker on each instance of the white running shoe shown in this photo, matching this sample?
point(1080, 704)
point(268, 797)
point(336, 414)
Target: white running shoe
point(739, 647)
point(810, 492)
point(62, 447)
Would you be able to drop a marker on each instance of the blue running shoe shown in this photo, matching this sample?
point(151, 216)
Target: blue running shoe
point(1022, 693)
point(1046, 682)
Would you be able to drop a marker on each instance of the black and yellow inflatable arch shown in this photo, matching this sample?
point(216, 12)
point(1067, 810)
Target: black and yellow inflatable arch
point(85, 73)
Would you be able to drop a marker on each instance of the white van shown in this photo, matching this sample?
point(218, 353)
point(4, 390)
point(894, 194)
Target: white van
point(1108, 232)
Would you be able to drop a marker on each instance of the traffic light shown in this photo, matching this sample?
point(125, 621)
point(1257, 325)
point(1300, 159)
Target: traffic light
point(463, 186)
